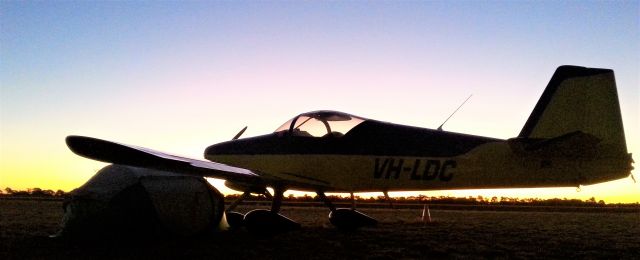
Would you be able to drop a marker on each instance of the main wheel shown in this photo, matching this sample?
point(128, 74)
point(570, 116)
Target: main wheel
point(266, 222)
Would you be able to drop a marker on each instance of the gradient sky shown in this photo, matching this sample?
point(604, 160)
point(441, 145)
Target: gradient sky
point(178, 76)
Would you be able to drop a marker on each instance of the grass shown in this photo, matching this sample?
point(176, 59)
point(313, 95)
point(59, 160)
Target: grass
point(25, 226)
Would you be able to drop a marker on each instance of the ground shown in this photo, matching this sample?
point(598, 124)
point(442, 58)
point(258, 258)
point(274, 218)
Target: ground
point(26, 224)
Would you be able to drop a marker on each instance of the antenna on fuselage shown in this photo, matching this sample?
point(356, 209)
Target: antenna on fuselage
point(445, 121)
point(239, 133)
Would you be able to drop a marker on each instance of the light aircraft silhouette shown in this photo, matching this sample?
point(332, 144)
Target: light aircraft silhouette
point(573, 137)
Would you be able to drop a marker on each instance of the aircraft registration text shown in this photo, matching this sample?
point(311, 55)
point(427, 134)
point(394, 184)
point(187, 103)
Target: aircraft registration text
point(418, 169)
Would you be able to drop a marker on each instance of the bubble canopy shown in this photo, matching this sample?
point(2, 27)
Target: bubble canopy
point(323, 123)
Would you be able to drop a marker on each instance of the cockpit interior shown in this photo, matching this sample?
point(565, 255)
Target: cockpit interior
point(320, 124)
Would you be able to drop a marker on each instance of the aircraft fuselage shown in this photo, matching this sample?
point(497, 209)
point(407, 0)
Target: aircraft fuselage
point(379, 156)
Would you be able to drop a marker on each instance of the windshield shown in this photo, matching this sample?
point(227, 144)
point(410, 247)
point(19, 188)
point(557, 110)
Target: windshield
point(321, 124)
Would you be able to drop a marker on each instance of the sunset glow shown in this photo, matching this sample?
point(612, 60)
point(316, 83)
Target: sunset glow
point(179, 76)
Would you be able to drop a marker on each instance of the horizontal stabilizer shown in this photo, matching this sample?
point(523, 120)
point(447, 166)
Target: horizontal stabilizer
point(576, 144)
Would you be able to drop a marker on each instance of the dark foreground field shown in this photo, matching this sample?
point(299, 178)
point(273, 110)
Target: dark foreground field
point(26, 224)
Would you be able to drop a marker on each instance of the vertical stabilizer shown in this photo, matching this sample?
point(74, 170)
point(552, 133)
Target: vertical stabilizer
point(579, 99)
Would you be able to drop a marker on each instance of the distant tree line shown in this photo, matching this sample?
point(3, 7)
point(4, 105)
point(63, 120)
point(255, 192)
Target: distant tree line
point(32, 192)
point(421, 199)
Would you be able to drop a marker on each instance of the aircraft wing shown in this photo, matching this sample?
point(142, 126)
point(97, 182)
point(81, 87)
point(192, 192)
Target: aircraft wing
point(112, 152)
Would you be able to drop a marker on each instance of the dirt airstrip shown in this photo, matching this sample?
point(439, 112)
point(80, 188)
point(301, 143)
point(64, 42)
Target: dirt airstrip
point(26, 224)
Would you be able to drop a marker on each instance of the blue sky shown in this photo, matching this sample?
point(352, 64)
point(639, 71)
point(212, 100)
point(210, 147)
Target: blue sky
point(178, 76)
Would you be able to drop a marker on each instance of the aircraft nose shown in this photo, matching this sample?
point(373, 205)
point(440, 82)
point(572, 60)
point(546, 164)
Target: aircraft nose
point(239, 146)
point(216, 149)
point(252, 145)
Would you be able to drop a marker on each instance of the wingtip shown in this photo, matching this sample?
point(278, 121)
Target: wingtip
point(78, 143)
point(70, 138)
point(73, 139)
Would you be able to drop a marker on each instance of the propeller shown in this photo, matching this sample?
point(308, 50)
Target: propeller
point(239, 133)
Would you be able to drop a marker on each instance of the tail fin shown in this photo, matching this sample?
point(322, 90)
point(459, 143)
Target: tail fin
point(579, 99)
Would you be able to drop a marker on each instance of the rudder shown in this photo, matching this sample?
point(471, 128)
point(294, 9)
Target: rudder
point(579, 99)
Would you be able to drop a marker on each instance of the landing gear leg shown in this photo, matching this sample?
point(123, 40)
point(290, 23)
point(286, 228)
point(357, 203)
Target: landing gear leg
point(353, 202)
point(277, 200)
point(326, 201)
point(267, 195)
point(239, 200)
point(235, 219)
point(386, 196)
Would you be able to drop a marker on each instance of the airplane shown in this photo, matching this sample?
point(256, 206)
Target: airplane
point(574, 136)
